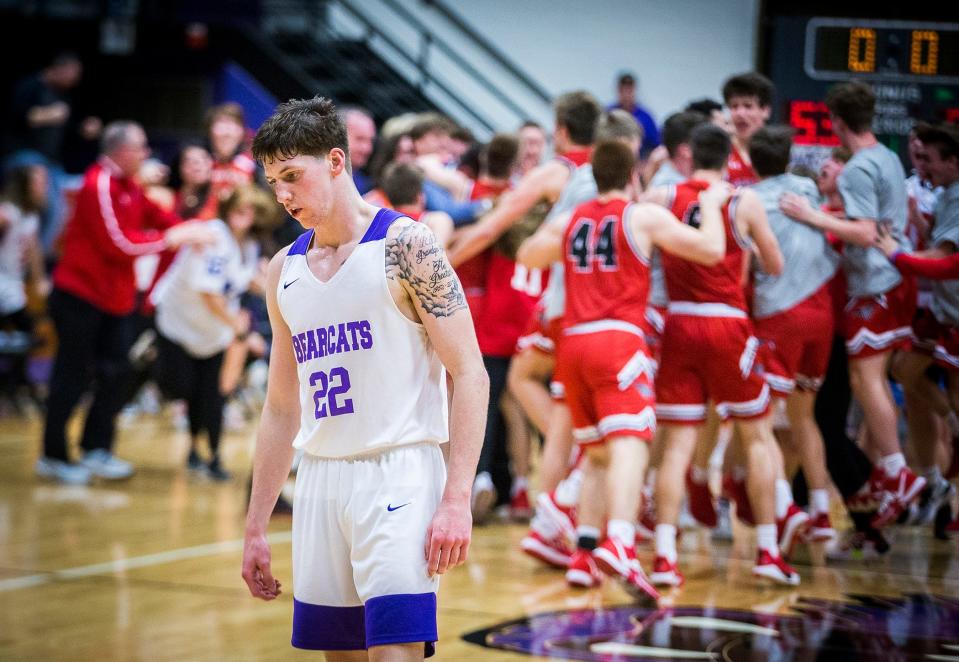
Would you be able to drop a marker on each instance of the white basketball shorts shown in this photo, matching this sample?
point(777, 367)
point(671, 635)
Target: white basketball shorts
point(359, 537)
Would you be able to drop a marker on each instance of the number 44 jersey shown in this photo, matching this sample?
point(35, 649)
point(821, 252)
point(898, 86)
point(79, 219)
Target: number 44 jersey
point(607, 277)
point(369, 377)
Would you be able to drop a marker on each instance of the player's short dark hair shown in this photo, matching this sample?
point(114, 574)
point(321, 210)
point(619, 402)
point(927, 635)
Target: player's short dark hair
point(617, 124)
point(678, 126)
point(531, 124)
point(749, 84)
point(578, 112)
point(613, 163)
point(309, 127)
point(944, 137)
point(402, 183)
point(854, 102)
point(706, 106)
point(711, 146)
point(769, 150)
point(499, 155)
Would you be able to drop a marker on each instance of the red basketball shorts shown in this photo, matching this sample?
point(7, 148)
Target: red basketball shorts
point(609, 381)
point(797, 343)
point(709, 358)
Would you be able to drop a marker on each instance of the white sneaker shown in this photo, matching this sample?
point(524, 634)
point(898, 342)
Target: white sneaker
point(103, 463)
point(483, 496)
point(69, 474)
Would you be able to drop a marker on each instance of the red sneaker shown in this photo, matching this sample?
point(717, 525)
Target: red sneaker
point(898, 493)
point(563, 517)
point(820, 529)
point(617, 560)
point(666, 573)
point(735, 491)
point(700, 501)
point(519, 508)
point(553, 552)
point(791, 528)
point(582, 571)
point(775, 569)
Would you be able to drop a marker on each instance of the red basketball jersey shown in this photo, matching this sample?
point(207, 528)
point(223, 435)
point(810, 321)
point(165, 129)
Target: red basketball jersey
point(690, 282)
point(472, 273)
point(606, 275)
point(739, 172)
point(512, 292)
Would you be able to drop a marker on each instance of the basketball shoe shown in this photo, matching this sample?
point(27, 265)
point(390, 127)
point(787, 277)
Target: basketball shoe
point(617, 560)
point(666, 573)
point(896, 494)
point(553, 552)
point(582, 571)
point(775, 569)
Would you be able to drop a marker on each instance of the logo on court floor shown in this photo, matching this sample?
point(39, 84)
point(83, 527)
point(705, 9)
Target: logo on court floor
point(865, 627)
point(391, 508)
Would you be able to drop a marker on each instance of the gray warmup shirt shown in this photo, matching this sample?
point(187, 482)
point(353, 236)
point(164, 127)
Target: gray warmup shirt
point(809, 262)
point(945, 293)
point(873, 185)
point(580, 188)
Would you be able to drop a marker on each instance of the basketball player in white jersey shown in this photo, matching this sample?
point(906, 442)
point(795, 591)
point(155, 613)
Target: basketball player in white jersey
point(368, 317)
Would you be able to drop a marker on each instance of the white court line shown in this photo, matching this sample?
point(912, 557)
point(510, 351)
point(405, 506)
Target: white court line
point(119, 565)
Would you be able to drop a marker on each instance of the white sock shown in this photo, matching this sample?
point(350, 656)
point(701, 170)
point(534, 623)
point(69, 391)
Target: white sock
point(892, 464)
point(766, 539)
point(483, 481)
point(784, 497)
point(567, 492)
point(623, 531)
point(520, 483)
point(666, 542)
point(819, 501)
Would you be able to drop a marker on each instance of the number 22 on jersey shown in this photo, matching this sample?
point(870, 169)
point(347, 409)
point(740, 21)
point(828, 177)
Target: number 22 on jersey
point(328, 387)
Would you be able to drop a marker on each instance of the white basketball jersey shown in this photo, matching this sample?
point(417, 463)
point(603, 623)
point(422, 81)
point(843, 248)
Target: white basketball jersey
point(369, 376)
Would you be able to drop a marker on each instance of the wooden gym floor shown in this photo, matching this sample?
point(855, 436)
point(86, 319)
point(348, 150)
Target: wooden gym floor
point(149, 569)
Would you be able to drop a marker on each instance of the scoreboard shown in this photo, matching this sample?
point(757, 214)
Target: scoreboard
point(913, 66)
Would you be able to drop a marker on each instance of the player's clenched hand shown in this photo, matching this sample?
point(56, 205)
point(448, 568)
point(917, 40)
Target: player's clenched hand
point(797, 207)
point(448, 536)
point(256, 568)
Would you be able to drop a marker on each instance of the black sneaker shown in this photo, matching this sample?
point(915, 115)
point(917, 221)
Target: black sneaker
point(194, 463)
point(217, 472)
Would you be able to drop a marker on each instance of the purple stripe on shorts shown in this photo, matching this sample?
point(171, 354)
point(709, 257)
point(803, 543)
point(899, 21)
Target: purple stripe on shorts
point(320, 627)
point(402, 619)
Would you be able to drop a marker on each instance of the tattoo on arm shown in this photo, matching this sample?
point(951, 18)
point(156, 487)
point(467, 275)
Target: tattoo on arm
point(415, 258)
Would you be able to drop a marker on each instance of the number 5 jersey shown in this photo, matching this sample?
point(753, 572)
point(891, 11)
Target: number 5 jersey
point(369, 376)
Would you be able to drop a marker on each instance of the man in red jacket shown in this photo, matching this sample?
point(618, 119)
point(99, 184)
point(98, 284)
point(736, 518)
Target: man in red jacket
point(92, 300)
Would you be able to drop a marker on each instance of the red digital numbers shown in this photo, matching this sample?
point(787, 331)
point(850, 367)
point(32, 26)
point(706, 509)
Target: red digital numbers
point(811, 121)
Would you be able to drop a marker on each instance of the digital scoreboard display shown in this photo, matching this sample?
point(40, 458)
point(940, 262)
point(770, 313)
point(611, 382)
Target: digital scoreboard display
point(912, 66)
point(882, 50)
